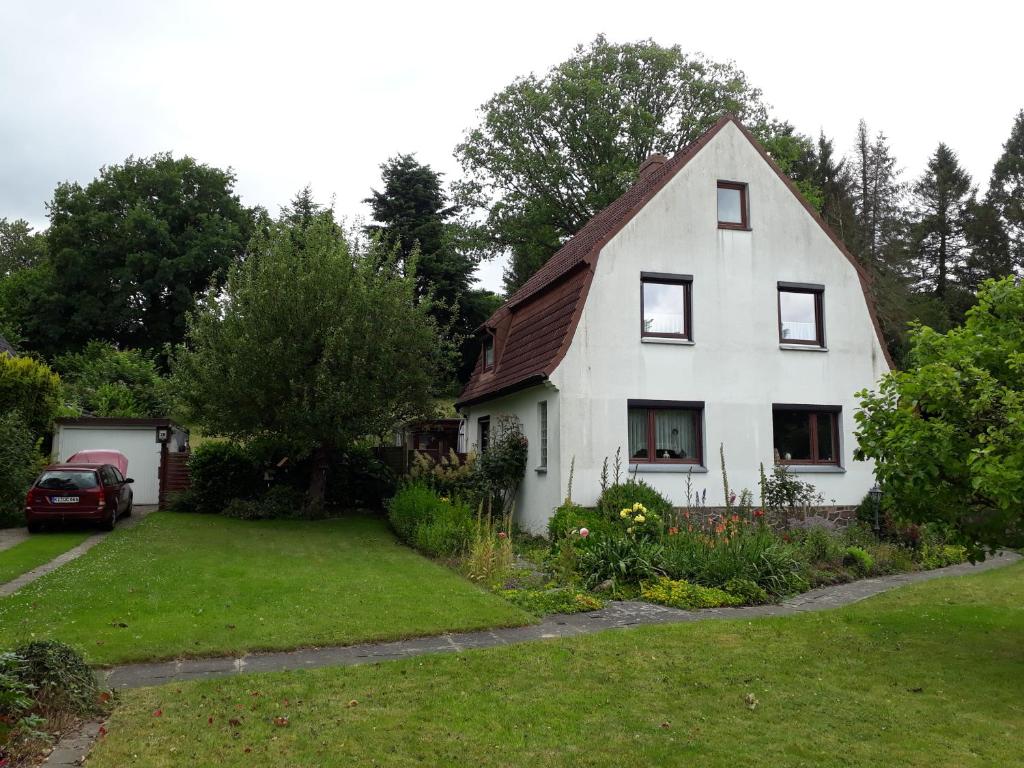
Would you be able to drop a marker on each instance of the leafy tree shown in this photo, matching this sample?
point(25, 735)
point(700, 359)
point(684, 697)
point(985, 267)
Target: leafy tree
point(32, 389)
point(552, 151)
point(796, 155)
point(312, 345)
point(941, 197)
point(19, 462)
point(20, 247)
point(105, 381)
point(947, 434)
point(1006, 190)
point(132, 249)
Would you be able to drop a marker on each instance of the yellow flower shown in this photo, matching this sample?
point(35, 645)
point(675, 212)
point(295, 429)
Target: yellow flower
point(629, 530)
point(639, 519)
point(624, 513)
point(637, 507)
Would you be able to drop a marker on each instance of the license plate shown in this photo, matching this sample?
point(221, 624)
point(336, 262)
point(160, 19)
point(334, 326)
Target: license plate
point(64, 499)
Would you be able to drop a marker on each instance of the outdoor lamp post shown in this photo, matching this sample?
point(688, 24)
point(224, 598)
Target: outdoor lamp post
point(876, 501)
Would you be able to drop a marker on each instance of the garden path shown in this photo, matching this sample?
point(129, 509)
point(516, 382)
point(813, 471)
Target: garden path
point(615, 615)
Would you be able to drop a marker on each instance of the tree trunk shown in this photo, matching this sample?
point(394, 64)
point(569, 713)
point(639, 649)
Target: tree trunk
point(318, 478)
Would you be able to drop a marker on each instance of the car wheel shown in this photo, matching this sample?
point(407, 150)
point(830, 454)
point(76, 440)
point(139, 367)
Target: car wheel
point(128, 512)
point(111, 522)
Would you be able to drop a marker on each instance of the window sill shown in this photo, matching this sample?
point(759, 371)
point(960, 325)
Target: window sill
point(803, 347)
point(541, 470)
point(814, 469)
point(735, 227)
point(680, 469)
point(663, 340)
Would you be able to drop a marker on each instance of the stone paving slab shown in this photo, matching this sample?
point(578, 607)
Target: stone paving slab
point(10, 537)
point(9, 588)
point(615, 615)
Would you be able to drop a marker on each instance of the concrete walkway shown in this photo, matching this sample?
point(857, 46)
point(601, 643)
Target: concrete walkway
point(9, 537)
point(615, 615)
point(138, 513)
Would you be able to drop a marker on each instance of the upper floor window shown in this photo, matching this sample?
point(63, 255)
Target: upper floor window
point(805, 434)
point(483, 433)
point(732, 205)
point(665, 305)
point(488, 352)
point(801, 319)
point(665, 432)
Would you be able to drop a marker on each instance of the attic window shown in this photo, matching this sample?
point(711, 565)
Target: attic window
point(488, 352)
point(732, 205)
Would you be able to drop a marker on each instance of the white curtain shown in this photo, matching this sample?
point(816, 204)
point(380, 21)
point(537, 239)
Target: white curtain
point(675, 436)
point(638, 433)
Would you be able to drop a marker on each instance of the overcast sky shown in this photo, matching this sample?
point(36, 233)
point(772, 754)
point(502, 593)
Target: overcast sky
point(290, 93)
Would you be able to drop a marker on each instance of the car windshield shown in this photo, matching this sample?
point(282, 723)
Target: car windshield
point(68, 480)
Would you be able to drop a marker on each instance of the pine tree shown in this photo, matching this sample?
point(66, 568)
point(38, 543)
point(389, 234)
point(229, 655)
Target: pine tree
point(1006, 190)
point(988, 243)
point(835, 181)
point(939, 245)
point(878, 201)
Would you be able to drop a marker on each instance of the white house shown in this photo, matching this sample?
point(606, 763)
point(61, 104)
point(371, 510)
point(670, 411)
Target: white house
point(707, 306)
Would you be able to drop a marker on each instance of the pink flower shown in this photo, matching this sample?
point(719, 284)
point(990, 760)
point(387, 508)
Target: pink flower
point(502, 534)
point(584, 533)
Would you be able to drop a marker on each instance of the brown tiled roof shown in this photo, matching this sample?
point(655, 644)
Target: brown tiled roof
point(533, 328)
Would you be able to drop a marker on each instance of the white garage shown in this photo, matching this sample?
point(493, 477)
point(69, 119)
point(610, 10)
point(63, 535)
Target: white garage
point(146, 443)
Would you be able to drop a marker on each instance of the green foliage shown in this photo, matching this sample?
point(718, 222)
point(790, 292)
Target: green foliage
point(859, 558)
point(543, 602)
point(552, 151)
point(221, 473)
point(619, 496)
point(19, 463)
point(682, 594)
point(941, 555)
point(490, 556)
point(571, 517)
point(61, 680)
point(1006, 191)
point(501, 467)
point(314, 344)
point(818, 546)
point(622, 560)
point(20, 247)
point(105, 381)
point(133, 249)
point(947, 435)
point(434, 525)
point(32, 389)
point(783, 494)
point(750, 592)
point(277, 502)
point(448, 476)
point(412, 504)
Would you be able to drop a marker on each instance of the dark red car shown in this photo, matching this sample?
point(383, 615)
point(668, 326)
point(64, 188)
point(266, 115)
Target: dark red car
point(87, 492)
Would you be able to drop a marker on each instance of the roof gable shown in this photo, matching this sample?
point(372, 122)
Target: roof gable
point(534, 327)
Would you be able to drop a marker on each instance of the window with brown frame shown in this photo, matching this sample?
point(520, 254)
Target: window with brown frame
point(488, 352)
point(665, 305)
point(483, 433)
point(801, 314)
point(805, 434)
point(665, 432)
point(732, 205)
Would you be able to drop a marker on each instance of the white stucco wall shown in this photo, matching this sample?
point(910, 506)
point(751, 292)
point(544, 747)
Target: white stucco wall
point(540, 491)
point(736, 365)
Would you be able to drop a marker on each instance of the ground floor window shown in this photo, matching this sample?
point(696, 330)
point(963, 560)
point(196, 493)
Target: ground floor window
point(805, 434)
point(542, 419)
point(665, 432)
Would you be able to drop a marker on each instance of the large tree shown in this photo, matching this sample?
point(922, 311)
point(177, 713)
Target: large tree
point(20, 247)
point(551, 151)
point(878, 200)
point(312, 344)
point(939, 243)
point(132, 249)
point(947, 434)
point(1006, 190)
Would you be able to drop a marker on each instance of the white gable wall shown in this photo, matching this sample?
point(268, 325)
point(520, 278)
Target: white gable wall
point(735, 366)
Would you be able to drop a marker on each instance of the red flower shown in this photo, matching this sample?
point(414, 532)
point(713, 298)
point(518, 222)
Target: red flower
point(673, 531)
point(758, 513)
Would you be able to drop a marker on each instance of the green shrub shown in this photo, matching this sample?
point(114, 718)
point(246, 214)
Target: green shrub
point(61, 681)
point(358, 480)
point(863, 562)
point(571, 517)
point(746, 590)
point(107, 381)
point(500, 469)
point(490, 555)
point(818, 545)
point(19, 463)
point(32, 389)
point(542, 602)
point(892, 558)
point(448, 476)
point(409, 507)
point(447, 532)
point(221, 472)
point(682, 594)
point(625, 560)
point(940, 555)
point(621, 496)
point(278, 501)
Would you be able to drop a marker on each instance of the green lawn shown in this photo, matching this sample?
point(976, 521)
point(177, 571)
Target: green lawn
point(36, 550)
point(929, 675)
point(192, 585)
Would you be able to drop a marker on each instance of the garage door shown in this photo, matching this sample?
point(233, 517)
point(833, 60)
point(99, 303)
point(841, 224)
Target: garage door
point(139, 445)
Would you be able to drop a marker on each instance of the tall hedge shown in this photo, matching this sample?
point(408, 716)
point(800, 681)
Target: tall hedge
point(32, 389)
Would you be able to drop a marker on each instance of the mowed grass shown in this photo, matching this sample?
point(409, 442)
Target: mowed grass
point(929, 675)
point(191, 585)
point(36, 550)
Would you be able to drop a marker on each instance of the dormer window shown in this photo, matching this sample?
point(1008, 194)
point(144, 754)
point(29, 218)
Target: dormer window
point(732, 205)
point(488, 352)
